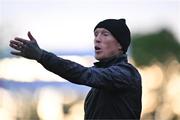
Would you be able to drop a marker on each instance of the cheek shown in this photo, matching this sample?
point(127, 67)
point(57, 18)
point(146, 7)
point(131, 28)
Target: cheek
point(110, 46)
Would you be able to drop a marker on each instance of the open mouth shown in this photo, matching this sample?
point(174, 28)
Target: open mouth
point(97, 48)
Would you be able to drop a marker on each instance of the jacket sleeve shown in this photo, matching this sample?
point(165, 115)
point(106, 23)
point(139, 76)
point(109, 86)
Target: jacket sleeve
point(119, 76)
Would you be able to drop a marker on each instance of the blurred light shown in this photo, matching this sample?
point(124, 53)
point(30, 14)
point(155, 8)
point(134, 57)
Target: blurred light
point(76, 112)
point(7, 106)
point(165, 112)
point(152, 77)
point(149, 102)
point(70, 96)
point(4, 115)
point(50, 105)
point(173, 92)
point(20, 69)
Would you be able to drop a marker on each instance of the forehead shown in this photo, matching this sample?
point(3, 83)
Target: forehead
point(101, 30)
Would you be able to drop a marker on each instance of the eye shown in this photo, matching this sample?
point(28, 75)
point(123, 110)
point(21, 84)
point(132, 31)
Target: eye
point(95, 34)
point(105, 33)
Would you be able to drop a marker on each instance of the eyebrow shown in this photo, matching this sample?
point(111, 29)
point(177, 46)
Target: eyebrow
point(104, 30)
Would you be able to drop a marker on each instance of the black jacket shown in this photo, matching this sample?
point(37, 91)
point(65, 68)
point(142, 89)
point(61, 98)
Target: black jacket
point(116, 85)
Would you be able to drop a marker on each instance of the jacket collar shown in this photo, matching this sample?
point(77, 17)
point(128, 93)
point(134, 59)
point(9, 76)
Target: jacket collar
point(110, 61)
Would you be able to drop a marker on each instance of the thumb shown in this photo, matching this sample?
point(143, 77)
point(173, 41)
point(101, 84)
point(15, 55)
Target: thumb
point(31, 37)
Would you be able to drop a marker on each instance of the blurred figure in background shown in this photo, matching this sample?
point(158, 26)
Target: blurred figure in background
point(116, 84)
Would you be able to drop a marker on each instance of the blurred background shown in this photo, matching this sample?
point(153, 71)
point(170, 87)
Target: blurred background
point(65, 27)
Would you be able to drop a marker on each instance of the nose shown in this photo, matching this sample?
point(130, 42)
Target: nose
point(97, 39)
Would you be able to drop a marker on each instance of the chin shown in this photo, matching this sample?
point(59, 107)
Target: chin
point(99, 57)
point(96, 58)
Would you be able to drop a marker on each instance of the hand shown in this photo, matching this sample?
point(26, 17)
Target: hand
point(26, 48)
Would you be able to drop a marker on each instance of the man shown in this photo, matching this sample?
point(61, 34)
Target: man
point(116, 84)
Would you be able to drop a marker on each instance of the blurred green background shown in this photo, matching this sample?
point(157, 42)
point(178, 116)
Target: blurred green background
point(65, 27)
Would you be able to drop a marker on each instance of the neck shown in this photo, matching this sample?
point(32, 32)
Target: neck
point(111, 57)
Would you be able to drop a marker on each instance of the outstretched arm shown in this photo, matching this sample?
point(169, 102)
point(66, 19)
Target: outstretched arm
point(117, 76)
point(26, 48)
point(113, 77)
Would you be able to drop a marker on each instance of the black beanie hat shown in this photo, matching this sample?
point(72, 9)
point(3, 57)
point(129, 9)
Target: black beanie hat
point(119, 30)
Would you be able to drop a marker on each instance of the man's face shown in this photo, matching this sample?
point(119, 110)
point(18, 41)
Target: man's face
point(105, 44)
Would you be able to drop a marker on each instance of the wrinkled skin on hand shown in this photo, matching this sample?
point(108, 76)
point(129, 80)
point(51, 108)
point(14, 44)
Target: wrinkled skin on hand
point(26, 48)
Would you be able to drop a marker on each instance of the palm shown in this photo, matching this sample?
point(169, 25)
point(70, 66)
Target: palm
point(26, 48)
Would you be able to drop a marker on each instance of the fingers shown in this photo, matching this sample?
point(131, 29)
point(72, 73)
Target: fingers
point(16, 42)
point(31, 37)
point(19, 48)
point(16, 45)
point(24, 47)
point(24, 41)
point(16, 53)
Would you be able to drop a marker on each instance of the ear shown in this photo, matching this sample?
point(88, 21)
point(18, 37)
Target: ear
point(120, 48)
